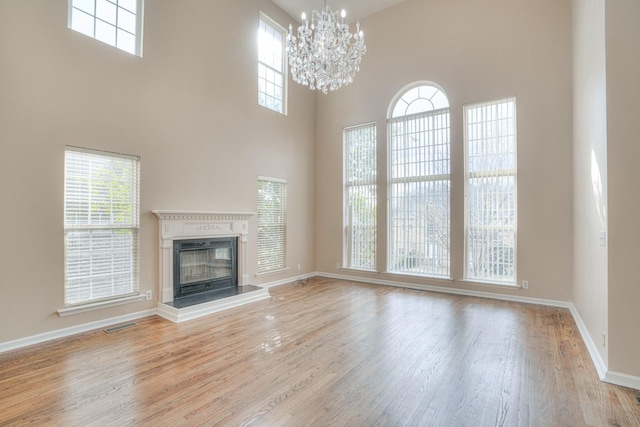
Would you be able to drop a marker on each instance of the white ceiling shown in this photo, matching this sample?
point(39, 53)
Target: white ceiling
point(356, 9)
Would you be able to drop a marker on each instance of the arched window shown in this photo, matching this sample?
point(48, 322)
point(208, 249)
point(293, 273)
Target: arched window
point(419, 181)
point(420, 99)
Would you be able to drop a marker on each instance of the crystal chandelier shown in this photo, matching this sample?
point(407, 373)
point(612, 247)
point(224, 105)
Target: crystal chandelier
point(325, 55)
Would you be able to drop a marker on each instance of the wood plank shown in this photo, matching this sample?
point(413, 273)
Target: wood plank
point(329, 353)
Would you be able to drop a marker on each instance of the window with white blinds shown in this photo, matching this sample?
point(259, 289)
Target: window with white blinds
point(419, 184)
point(272, 224)
point(115, 22)
point(271, 65)
point(101, 222)
point(360, 197)
point(490, 190)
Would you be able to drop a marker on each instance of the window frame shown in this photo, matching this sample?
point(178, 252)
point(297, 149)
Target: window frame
point(139, 14)
point(496, 173)
point(349, 184)
point(393, 119)
point(264, 266)
point(274, 26)
point(89, 226)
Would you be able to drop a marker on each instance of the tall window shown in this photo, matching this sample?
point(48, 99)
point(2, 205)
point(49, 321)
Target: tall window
point(101, 222)
point(272, 224)
point(490, 190)
point(419, 183)
point(115, 22)
point(360, 197)
point(271, 65)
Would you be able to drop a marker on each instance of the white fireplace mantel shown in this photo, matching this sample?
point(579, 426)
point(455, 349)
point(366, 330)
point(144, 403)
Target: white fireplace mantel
point(176, 225)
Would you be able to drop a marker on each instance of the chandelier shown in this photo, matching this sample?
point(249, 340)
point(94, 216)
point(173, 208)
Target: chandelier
point(325, 55)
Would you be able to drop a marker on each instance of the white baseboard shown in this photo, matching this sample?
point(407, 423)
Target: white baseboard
point(455, 291)
point(62, 333)
point(623, 380)
point(597, 359)
point(288, 280)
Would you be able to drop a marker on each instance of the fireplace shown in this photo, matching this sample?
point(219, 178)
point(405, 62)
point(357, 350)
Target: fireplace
point(204, 266)
point(215, 275)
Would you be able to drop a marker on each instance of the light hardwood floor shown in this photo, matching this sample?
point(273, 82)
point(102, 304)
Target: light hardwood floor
point(332, 353)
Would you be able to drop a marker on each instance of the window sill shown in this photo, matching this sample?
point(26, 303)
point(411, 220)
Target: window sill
point(359, 270)
point(419, 276)
point(270, 272)
point(482, 283)
point(68, 311)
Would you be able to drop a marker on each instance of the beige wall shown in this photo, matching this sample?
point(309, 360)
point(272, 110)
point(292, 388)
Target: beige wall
point(623, 156)
point(590, 168)
point(476, 51)
point(188, 108)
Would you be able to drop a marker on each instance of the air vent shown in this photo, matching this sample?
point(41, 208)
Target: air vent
point(120, 327)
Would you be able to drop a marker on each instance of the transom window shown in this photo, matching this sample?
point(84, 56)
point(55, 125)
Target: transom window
point(101, 224)
point(420, 99)
point(419, 183)
point(361, 197)
point(271, 65)
point(490, 190)
point(115, 22)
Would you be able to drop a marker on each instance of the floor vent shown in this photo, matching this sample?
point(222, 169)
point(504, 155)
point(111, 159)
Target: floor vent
point(637, 398)
point(120, 327)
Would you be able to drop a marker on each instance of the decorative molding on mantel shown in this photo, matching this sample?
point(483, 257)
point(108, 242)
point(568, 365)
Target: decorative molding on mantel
point(182, 224)
point(201, 215)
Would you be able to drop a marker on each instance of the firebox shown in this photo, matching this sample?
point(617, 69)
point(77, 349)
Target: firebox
point(204, 265)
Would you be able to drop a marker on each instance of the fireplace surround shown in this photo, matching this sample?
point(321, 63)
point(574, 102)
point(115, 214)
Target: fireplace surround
point(178, 226)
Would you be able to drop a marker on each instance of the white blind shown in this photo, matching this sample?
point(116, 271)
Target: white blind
point(272, 224)
point(491, 208)
point(361, 196)
point(101, 221)
point(271, 65)
point(419, 188)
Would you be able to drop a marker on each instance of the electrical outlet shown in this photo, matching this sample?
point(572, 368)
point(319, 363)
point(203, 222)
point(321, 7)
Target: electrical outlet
point(604, 339)
point(525, 284)
point(602, 238)
point(298, 267)
point(337, 265)
point(149, 295)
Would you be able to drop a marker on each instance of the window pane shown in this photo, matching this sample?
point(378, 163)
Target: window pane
point(126, 41)
point(106, 11)
point(420, 100)
point(272, 224)
point(126, 20)
point(361, 197)
point(105, 32)
point(108, 21)
point(85, 5)
point(130, 5)
point(490, 215)
point(419, 184)
point(82, 23)
point(271, 65)
point(101, 221)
